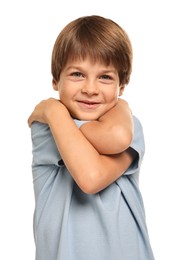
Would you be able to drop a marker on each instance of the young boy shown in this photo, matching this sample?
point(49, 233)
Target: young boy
point(87, 151)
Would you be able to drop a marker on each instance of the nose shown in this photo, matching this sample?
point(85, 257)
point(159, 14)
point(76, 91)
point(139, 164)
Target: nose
point(90, 88)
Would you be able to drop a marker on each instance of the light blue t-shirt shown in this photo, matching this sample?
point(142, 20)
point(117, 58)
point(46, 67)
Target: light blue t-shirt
point(72, 225)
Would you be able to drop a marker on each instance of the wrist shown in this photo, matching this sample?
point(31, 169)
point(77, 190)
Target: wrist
point(55, 110)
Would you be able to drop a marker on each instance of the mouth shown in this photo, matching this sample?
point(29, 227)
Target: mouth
point(88, 104)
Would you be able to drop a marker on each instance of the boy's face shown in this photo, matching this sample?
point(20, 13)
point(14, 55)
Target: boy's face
point(87, 89)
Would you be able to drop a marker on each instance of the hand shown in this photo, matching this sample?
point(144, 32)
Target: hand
point(44, 110)
point(124, 103)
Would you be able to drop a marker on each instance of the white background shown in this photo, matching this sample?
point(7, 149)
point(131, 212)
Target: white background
point(28, 30)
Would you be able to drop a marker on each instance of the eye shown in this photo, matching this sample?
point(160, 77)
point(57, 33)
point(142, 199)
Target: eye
point(106, 77)
point(77, 74)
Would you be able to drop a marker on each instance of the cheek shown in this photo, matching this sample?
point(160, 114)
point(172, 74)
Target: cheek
point(65, 94)
point(62, 90)
point(61, 93)
point(112, 95)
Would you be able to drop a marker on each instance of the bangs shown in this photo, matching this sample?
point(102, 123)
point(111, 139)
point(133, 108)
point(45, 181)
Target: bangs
point(81, 52)
point(101, 40)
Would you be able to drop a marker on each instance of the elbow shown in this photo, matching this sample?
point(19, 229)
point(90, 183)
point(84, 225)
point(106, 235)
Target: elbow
point(89, 185)
point(126, 140)
point(123, 139)
point(88, 190)
point(118, 141)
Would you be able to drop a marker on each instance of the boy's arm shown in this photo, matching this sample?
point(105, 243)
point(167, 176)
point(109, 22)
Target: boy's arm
point(90, 170)
point(112, 133)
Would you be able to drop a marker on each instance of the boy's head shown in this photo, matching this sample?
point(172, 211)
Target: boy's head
point(95, 37)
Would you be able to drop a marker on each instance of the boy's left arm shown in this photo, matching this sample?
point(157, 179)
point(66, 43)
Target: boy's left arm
point(77, 152)
point(112, 133)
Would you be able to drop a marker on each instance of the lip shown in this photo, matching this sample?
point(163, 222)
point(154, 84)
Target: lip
point(88, 104)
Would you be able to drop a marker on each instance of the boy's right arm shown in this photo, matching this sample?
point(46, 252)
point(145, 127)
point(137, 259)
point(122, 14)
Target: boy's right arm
point(90, 170)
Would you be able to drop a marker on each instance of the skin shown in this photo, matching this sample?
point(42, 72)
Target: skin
point(114, 127)
point(89, 91)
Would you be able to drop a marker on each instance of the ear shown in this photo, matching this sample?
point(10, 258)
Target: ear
point(55, 85)
point(122, 87)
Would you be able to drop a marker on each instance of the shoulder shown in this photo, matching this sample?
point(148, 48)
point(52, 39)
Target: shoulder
point(137, 123)
point(138, 142)
point(138, 145)
point(37, 127)
point(44, 148)
point(40, 132)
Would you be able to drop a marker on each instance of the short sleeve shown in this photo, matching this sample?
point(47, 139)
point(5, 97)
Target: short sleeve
point(138, 145)
point(44, 149)
point(46, 162)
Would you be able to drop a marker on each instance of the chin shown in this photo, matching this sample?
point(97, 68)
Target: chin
point(86, 117)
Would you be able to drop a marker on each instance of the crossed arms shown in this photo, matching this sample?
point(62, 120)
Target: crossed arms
point(99, 148)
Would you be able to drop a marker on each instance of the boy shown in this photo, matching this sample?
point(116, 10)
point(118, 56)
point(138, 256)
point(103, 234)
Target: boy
point(87, 151)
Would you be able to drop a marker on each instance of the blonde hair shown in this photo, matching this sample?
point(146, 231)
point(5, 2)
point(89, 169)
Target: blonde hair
point(96, 37)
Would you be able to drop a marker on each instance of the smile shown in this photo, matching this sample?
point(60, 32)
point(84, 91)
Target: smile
point(87, 104)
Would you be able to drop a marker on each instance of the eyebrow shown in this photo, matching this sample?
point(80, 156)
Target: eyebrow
point(77, 67)
point(73, 67)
